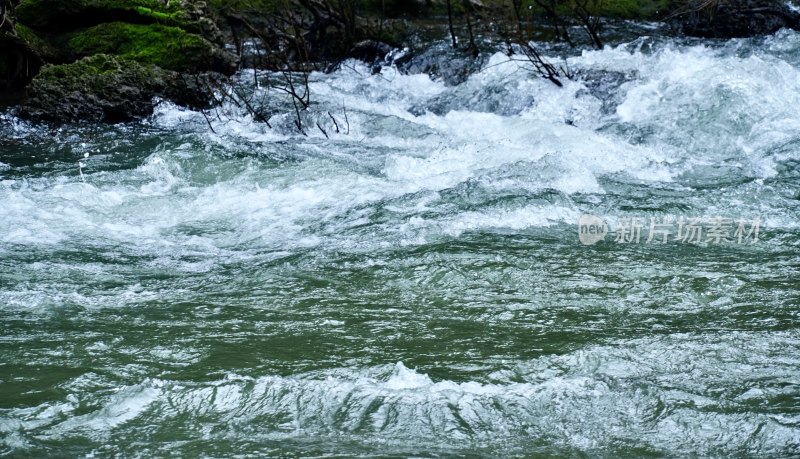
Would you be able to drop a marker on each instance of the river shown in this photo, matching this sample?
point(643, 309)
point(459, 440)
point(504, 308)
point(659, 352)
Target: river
point(415, 285)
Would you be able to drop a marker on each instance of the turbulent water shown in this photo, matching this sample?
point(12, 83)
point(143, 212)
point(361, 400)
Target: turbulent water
point(415, 285)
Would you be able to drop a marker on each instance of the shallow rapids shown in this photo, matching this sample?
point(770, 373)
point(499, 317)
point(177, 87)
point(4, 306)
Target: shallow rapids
point(406, 277)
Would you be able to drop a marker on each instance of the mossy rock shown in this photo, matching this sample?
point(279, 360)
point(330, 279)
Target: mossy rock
point(168, 47)
point(42, 47)
point(98, 88)
point(107, 88)
point(94, 66)
point(73, 14)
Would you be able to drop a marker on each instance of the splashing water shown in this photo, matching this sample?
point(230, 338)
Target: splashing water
point(414, 285)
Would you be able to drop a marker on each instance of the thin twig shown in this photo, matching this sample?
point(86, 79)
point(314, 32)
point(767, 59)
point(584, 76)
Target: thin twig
point(335, 124)
point(323, 130)
point(345, 118)
point(208, 121)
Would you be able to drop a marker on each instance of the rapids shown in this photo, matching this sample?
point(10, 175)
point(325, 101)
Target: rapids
point(414, 285)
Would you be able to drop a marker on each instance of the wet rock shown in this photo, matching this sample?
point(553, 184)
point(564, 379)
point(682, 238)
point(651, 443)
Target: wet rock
point(170, 48)
point(370, 51)
point(180, 34)
point(441, 61)
point(197, 17)
point(114, 57)
point(500, 97)
point(66, 15)
point(742, 18)
point(104, 88)
point(600, 84)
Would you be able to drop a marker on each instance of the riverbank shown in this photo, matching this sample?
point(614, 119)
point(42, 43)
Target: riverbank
point(183, 51)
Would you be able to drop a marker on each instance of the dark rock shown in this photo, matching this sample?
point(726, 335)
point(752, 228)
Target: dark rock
point(197, 17)
point(741, 18)
point(19, 58)
point(370, 51)
point(179, 35)
point(192, 90)
point(130, 53)
point(104, 88)
point(66, 15)
point(403, 8)
point(441, 61)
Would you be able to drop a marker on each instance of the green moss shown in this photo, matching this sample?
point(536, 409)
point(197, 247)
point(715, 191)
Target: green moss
point(43, 47)
point(99, 74)
point(29, 36)
point(58, 13)
point(46, 6)
point(169, 18)
point(168, 47)
point(99, 64)
point(621, 9)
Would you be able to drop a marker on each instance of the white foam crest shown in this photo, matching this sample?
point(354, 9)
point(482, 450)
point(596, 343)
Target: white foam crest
point(169, 115)
point(157, 208)
point(685, 77)
point(276, 212)
point(573, 158)
point(231, 122)
point(125, 405)
point(418, 230)
point(56, 421)
point(407, 404)
point(153, 205)
point(537, 400)
point(374, 93)
point(472, 143)
point(25, 221)
point(16, 127)
point(405, 378)
point(618, 58)
point(517, 219)
point(716, 105)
